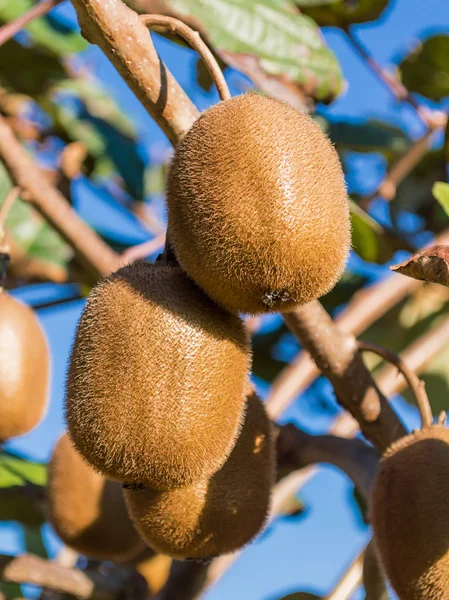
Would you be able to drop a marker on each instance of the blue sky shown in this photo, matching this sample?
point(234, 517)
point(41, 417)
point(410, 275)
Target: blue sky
point(309, 553)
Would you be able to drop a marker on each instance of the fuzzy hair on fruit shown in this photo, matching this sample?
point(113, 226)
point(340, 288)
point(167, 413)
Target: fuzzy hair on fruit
point(410, 516)
point(218, 515)
point(156, 382)
point(258, 207)
point(86, 510)
point(24, 368)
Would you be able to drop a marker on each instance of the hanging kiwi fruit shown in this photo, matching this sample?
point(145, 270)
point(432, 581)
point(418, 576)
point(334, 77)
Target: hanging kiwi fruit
point(156, 383)
point(24, 356)
point(257, 205)
point(154, 568)
point(217, 515)
point(408, 504)
point(86, 510)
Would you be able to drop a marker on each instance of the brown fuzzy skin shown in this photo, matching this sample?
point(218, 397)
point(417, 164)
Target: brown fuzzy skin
point(219, 515)
point(86, 510)
point(24, 368)
point(156, 384)
point(155, 568)
point(258, 208)
point(410, 516)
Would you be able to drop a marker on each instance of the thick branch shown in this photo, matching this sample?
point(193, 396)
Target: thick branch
point(365, 308)
point(89, 248)
point(335, 353)
point(298, 449)
point(38, 571)
point(125, 40)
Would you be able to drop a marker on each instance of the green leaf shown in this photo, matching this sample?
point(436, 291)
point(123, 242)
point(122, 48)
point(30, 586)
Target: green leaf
point(440, 190)
point(344, 12)
point(31, 231)
point(270, 42)
point(28, 70)
point(44, 31)
point(16, 471)
point(370, 240)
point(426, 70)
point(21, 490)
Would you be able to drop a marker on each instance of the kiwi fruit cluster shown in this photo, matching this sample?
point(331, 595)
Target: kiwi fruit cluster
point(257, 206)
point(217, 515)
point(409, 514)
point(86, 510)
point(24, 368)
point(157, 395)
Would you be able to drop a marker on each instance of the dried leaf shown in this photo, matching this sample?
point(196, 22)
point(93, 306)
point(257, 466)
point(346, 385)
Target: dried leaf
point(429, 265)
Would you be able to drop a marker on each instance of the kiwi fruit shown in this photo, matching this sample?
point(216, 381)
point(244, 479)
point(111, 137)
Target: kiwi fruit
point(86, 510)
point(155, 568)
point(220, 514)
point(410, 516)
point(258, 207)
point(24, 368)
point(156, 382)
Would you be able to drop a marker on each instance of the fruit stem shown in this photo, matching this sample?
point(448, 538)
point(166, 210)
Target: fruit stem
point(416, 385)
point(175, 26)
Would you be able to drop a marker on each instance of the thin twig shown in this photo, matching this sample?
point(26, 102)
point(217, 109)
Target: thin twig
point(416, 385)
point(12, 28)
point(139, 251)
point(193, 38)
point(350, 581)
point(6, 206)
point(390, 81)
point(399, 170)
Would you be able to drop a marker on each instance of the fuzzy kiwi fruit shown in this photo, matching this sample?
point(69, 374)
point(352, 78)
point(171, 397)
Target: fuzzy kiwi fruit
point(154, 568)
point(24, 368)
point(156, 383)
point(258, 208)
point(86, 510)
point(410, 516)
point(220, 514)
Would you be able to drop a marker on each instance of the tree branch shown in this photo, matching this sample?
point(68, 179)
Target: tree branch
point(125, 40)
point(335, 353)
point(298, 449)
point(92, 252)
point(367, 305)
point(120, 584)
point(12, 28)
